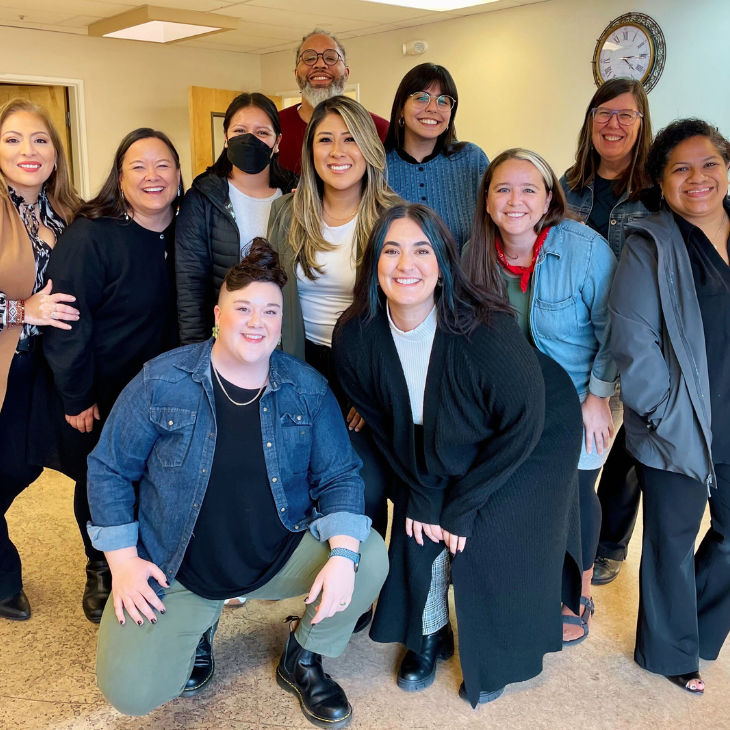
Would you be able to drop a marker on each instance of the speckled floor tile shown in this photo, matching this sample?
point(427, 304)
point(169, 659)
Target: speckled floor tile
point(47, 664)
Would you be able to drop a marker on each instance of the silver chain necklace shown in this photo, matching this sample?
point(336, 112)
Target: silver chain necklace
point(235, 403)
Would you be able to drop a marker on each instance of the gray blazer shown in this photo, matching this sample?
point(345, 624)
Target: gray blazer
point(292, 327)
point(658, 342)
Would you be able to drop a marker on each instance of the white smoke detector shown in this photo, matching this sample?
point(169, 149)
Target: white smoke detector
point(415, 48)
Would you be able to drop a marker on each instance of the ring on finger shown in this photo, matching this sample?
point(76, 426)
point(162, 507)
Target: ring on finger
point(343, 604)
point(54, 307)
point(53, 315)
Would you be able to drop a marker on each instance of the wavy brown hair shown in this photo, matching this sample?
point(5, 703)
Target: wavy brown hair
point(481, 263)
point(60, 191)
point(634, 178)
point(109, 201)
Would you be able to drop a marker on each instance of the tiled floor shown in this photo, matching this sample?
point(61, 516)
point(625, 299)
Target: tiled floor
point(47, 663)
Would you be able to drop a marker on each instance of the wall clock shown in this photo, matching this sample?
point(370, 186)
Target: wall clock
point(631, 46)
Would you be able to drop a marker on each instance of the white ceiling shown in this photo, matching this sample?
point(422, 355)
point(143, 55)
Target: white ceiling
point(266, 26)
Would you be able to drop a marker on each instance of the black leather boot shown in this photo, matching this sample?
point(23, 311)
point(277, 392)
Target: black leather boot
point(204, 667)
point(97, 590)
point(15, 608)
point(605, 571)
point(323, 701)
point(364, 621)
point(417, 671)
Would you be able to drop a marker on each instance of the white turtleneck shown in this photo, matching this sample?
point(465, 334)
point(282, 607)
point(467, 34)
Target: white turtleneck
point(414, 351)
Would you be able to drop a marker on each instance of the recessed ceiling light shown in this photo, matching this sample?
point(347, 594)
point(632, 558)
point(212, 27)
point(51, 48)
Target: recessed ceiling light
point(162, 25)
point(438, 5)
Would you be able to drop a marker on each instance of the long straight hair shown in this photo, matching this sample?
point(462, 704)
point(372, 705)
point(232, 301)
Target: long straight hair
point(278, 176)
point(481, 263)
point(419, 78)
point(634, 178)
point(59, 190)
point(305, 233)
point(109, 201)
point(460, 305)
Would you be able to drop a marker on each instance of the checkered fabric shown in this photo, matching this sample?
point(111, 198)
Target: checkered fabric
point(436, 610)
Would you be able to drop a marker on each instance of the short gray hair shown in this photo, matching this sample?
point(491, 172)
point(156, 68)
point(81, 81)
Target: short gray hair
point(319, 31)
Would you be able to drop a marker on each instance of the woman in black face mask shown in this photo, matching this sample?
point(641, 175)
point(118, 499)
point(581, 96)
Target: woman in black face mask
point(226, 208)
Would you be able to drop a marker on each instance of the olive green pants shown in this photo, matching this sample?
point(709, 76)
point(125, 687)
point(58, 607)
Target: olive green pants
point(139, 668)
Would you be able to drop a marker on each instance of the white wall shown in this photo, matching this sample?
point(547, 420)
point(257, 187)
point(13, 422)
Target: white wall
point(525, 76)
point(127, 84)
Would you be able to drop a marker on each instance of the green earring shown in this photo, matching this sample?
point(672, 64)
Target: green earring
point(216, 331)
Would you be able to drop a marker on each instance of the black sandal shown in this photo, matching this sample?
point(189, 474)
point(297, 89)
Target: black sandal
point(683, 681)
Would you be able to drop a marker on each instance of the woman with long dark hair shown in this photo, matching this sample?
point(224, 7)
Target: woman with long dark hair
point(226, 207)
point(482, 433)
point(36, 202)
point(426, 162)
point(607, 189)
point(117, 259)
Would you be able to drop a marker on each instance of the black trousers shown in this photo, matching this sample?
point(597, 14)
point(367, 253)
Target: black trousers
point(590, 515)
point(15, 471)
point(619, 494)
point(684, 598)
point(374, 471)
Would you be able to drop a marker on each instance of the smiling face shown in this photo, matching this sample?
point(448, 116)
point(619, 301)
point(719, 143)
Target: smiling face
point(695, 180)
point(517, 199)
point(407, 268)
point(249, 322)
point(149, 177)
point(252, 120)
point(430, 122)
point(614, 142)
point(337, 158)
point(320, 81)
point(27, 155)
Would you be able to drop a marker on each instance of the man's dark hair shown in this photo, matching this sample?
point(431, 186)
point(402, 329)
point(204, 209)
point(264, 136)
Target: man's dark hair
point(261, 264)
point(674, 134)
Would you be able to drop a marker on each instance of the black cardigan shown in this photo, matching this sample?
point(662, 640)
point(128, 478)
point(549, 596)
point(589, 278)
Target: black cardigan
point(502, 432)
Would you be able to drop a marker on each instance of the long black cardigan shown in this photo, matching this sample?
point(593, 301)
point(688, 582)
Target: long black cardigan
point(502, 431)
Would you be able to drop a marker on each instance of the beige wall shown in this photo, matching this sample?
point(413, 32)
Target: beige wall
point(524, 74)
point(127, 84)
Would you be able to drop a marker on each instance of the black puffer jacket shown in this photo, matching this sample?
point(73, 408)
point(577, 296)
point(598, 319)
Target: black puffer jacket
point(207, 244)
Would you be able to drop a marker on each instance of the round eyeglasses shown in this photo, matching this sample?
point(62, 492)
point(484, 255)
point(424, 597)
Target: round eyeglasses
point(310, 56)
point(421, 99)
point(626, 117)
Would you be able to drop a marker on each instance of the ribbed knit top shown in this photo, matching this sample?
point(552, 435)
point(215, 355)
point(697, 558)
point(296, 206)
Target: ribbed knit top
point(414, 352)
point(449, 185)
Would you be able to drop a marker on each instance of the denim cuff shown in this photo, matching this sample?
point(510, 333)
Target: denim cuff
point(115, 537)
point(341, 523)
point(601, 388)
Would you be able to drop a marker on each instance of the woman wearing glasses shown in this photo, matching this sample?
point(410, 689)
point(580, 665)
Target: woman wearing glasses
point(426, 163)
point(605, 189)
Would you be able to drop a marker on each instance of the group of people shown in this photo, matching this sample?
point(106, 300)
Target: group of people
point(393, 317)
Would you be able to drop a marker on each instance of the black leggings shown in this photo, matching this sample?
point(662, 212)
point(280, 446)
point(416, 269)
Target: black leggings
point(374, 471)
point(590, 515)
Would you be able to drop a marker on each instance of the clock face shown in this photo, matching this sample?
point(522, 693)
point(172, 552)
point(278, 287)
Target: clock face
point(625, 51)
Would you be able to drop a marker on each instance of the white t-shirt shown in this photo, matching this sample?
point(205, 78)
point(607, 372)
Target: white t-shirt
point(330, 294)
point(252, 215)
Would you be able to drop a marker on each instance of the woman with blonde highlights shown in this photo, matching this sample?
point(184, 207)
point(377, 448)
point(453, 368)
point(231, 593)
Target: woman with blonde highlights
point(320, 232)
point(36, 202)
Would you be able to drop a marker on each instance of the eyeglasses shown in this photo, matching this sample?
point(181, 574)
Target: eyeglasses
point(626, 117)
point(310, 56)
point(421, 99)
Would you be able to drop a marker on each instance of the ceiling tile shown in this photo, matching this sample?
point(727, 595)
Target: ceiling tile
point(80, 21)
point(202, 6)
point(30, 16)
point(69, 8)
point(354, 9)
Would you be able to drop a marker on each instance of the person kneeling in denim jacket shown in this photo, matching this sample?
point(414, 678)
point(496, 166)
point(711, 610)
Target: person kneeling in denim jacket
point(224, 470)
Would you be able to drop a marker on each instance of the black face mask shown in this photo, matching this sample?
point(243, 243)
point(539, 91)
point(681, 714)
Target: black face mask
point(249, 153)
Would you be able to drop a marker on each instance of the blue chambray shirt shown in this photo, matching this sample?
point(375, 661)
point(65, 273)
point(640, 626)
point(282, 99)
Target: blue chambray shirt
point(161, 434)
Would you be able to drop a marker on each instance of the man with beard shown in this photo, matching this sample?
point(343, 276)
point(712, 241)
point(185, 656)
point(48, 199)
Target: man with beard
point(321, 73)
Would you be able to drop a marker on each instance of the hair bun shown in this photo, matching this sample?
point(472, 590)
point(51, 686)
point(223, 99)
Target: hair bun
point(261, 255)
point(261, 264)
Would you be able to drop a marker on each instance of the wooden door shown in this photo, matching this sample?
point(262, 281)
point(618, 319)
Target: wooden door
point(207, 108)
point(53, 98)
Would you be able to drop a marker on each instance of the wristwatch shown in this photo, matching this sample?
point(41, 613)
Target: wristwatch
point(345, 553)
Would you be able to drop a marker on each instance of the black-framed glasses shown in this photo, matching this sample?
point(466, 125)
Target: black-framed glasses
point(626, 117)
point(310, 56)
point(421, 99)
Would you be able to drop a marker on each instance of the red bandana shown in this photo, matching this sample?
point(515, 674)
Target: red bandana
point(523, 271)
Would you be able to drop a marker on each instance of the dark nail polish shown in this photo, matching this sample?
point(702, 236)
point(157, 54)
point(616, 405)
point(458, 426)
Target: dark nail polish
point(139, 623)
point(121, 623)
point(154, 620)
point(163, 611)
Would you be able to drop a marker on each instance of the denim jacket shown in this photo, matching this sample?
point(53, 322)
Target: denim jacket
point(161, 434)
point(569, 306)
point(623, 213)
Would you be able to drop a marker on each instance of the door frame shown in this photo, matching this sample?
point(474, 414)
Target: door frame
point(77, 110)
